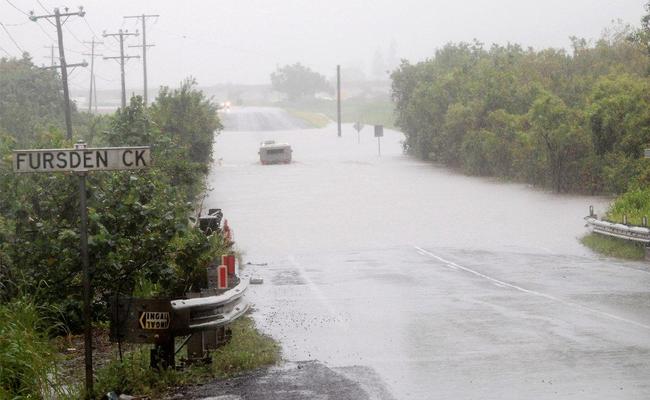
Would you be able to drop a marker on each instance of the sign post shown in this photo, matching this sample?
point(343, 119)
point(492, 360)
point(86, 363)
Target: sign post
point(83, 236)
point(379, 132)
point(82, 160)
point(358, 126)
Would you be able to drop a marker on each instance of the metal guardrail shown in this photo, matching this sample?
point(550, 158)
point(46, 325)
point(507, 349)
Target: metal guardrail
point(634, 233)
point(204, 313)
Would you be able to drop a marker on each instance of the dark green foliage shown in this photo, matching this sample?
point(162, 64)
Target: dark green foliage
point(188, 118)
point(246, 351)
point(140, 236)
point(571, 122)
point(30, 99)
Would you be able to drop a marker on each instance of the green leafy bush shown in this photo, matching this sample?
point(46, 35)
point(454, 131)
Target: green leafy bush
point(634, 204)
point(570, 121)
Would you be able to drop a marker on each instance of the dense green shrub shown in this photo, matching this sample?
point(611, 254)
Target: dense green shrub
point(139, 232)
point(570, 121)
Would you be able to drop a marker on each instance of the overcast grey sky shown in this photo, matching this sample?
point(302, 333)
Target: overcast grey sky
point(243, 41)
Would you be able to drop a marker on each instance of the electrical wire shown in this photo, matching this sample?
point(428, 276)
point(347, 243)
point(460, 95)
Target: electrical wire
point(42, 6)
point(11, 37)
point(45, 32)
point(104, 79)
point(90, 28)
point(21, 11)
point(5, 51)
point(20, 24)
point(75, 37)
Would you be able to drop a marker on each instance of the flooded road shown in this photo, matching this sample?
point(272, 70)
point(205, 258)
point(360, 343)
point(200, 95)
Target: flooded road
point(444, 286)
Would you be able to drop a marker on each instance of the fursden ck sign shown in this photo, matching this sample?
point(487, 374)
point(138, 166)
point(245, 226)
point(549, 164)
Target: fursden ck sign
point(79, 160)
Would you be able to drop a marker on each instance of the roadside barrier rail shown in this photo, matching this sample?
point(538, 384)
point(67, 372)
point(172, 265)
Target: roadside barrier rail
point(622, 231)
point(203, 313)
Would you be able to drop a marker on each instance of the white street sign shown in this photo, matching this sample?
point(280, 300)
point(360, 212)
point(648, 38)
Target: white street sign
point(79, 160)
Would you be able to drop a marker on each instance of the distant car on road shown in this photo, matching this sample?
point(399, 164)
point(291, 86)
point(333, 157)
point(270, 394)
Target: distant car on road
point(225, 106)
point(275, 153)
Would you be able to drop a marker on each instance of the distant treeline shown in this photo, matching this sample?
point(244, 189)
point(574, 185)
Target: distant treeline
point(572, 121)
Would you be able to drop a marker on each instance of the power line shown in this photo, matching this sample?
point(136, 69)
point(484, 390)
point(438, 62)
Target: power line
point(45, 32)
point(75, 37)
point(5, 51)
point(42, 6)
point(20, 24)
point(11, 37)
point(21, 11)
point(90, 28)
point(104, 78)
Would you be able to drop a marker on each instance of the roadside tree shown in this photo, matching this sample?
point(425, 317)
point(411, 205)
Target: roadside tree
point(298, 81)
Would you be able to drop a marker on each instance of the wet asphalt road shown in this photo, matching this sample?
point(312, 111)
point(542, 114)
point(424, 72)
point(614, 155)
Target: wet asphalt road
point(443, 286)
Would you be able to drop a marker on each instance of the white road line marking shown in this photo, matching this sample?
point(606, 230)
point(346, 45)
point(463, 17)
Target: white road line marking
point(531, 292)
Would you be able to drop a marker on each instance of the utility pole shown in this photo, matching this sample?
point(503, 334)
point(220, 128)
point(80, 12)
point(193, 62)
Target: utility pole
point(144, 46)
point(121, 34)
point(64, 69)
point(338, 98)
point(51, 47)
point(95, 91)
point(92, 71)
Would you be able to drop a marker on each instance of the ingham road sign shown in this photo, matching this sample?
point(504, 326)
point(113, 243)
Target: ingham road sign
point(154, 320)
point(80, 160)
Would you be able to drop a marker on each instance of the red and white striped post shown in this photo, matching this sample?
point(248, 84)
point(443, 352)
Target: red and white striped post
point(222, 277)
point(229, 261)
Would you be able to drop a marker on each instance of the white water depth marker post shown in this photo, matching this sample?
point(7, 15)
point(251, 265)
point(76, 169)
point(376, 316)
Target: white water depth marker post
point(82, 160)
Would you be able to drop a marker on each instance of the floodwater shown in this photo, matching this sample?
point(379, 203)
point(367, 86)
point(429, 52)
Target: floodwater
point(445, 286)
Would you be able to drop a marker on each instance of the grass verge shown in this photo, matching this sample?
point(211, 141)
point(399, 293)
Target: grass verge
point(613, 247)
point(28, 362)
point(247, 350)
point(313, 119)
point(376, 111)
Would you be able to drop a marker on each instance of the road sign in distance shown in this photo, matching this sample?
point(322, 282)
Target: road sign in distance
point(80, 160)
point(379, 130)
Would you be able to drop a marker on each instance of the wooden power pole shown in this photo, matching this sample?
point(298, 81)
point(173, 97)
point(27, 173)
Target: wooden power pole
point(121, 35)
point(57, 15)
point(338, 98)
point(92, 73)
point(144, 46)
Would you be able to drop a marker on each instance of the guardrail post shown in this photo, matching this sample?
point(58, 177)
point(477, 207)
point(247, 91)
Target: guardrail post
point(162, 355)
point(644, 221)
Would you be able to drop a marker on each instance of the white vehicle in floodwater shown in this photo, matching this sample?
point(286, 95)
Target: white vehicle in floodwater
point(275, 153)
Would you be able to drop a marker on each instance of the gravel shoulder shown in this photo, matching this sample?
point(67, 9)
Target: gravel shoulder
point(293, 380)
